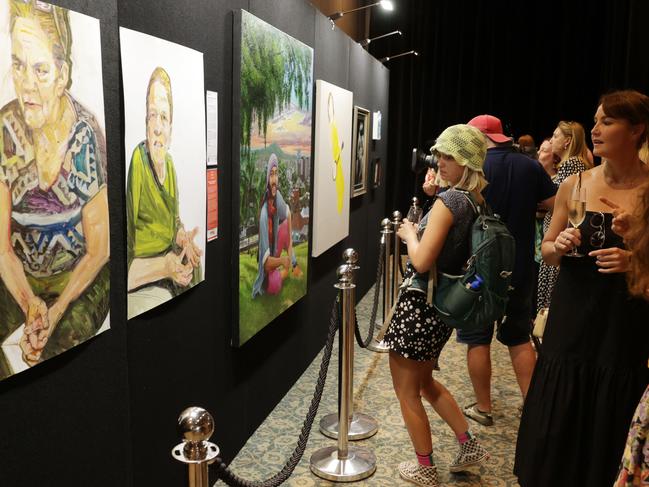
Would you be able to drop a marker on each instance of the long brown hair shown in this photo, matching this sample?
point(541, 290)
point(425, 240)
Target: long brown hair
point(638, 275)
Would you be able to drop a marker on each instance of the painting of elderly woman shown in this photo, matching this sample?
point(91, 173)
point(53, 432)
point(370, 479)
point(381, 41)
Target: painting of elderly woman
point(54, 232)
point(165, 189)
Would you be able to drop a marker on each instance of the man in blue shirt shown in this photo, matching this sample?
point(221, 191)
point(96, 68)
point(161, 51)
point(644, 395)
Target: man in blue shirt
point(517, 185)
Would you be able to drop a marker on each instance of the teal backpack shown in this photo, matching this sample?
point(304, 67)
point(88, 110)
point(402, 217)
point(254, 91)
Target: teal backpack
point(479, 296)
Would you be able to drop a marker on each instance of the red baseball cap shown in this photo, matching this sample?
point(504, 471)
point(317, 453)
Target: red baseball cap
point(491, 127)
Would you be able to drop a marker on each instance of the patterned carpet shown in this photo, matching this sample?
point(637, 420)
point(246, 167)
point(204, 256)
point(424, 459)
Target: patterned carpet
point(268, 449)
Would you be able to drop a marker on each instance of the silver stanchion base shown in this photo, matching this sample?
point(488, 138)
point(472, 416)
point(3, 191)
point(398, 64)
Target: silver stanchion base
point(376, 346)
point(361, 426)
point(359, 464)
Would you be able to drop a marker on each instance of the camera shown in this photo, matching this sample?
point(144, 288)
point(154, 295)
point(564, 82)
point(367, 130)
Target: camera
point(422, 160)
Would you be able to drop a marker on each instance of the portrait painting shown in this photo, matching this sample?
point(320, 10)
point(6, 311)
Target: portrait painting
point(274, 93)
point(360, 150)
point(164, 140)
point(332, 165)
point(54, 247)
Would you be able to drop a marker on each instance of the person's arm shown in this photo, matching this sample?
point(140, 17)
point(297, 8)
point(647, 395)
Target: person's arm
point(94, 220)
point(423, 253)
point(558, 240)
point(546, 189)
point(144, 270)
point(614, 259)
point(274, 262)
point(11, 269)
point(548, 203)
point(284, 212)
point(429, 187)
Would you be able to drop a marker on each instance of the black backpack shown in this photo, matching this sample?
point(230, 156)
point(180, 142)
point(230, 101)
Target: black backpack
point(479, 296)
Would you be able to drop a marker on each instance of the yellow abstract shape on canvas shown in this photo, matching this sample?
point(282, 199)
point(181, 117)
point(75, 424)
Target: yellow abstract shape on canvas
point(336, 150)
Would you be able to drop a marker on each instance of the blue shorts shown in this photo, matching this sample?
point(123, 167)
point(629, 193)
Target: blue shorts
point(515, 329)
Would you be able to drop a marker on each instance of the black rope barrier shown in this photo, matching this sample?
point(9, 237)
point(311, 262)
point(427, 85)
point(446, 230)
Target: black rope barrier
point(398, 256)
point(231, 479)
point(375, 304)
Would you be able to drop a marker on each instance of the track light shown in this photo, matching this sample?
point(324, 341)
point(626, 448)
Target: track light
point(366, 42)
point(389, 58)
point(385, 5)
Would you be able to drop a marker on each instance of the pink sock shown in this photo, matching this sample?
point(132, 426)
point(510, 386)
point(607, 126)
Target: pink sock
point(464, 437)
point(425, 459)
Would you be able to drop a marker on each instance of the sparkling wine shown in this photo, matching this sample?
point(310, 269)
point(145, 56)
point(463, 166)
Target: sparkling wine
point(576, 212)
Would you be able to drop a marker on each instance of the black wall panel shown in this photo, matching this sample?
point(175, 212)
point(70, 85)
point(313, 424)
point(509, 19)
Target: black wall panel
point(105, 413)
point(369, 80)
point(332, 56)
point(66, 422)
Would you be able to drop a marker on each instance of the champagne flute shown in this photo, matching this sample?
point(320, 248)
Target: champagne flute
point(415, 214)
point(577, 212)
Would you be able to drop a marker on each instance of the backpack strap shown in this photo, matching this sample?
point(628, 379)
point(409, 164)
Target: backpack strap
point(478, 209)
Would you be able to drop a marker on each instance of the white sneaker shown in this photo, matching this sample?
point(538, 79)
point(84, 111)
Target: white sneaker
point(419, 474)
point(471, 454)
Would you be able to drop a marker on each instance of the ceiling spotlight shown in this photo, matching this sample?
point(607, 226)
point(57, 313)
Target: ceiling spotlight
point(385, 4)
point(389, 58)
point(366, 42)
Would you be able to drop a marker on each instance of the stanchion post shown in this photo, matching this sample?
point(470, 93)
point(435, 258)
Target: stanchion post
point(386, 235)
point(196, 426)
point(344, 416)
point(344, 463)
point(386, 283)
point(396, 223)
point(360, 426)
point(350, 256)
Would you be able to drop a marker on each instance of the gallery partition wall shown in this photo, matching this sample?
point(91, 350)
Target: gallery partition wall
point(101, 410)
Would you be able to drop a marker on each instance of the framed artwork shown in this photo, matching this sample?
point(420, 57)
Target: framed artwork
point(377, 172)
point(164, 142)
point(332, 165)
point(273, 90)
point(376, 125)
point(54, 236)
point(360, 150)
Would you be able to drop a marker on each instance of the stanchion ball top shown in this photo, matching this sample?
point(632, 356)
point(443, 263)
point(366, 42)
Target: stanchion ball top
point(350, 256)
point(196, 424)
point(396, 215)
point(345, 273)
point(386, 222)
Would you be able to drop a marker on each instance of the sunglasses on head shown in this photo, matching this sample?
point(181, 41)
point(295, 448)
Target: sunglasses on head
point(597, 222)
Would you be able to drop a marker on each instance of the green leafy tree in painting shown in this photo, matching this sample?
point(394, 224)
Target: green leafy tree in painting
point(275, 69)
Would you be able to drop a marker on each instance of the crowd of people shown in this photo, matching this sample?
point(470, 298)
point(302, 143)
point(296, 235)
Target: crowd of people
point(581, 386)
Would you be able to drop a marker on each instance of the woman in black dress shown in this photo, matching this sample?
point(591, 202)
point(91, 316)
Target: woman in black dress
point(593, 366)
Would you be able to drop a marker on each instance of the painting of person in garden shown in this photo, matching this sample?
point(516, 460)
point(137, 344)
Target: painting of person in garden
point(275, 173)
point(54, 231)
point(274, 238)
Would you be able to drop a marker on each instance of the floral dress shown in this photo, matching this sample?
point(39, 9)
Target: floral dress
point(634, 469)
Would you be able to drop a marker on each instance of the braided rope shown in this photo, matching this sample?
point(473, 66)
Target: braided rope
point(233, 480)
point(375, 304)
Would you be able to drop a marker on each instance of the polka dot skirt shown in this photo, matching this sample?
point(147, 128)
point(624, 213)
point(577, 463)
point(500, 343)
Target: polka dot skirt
point(415, 331)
